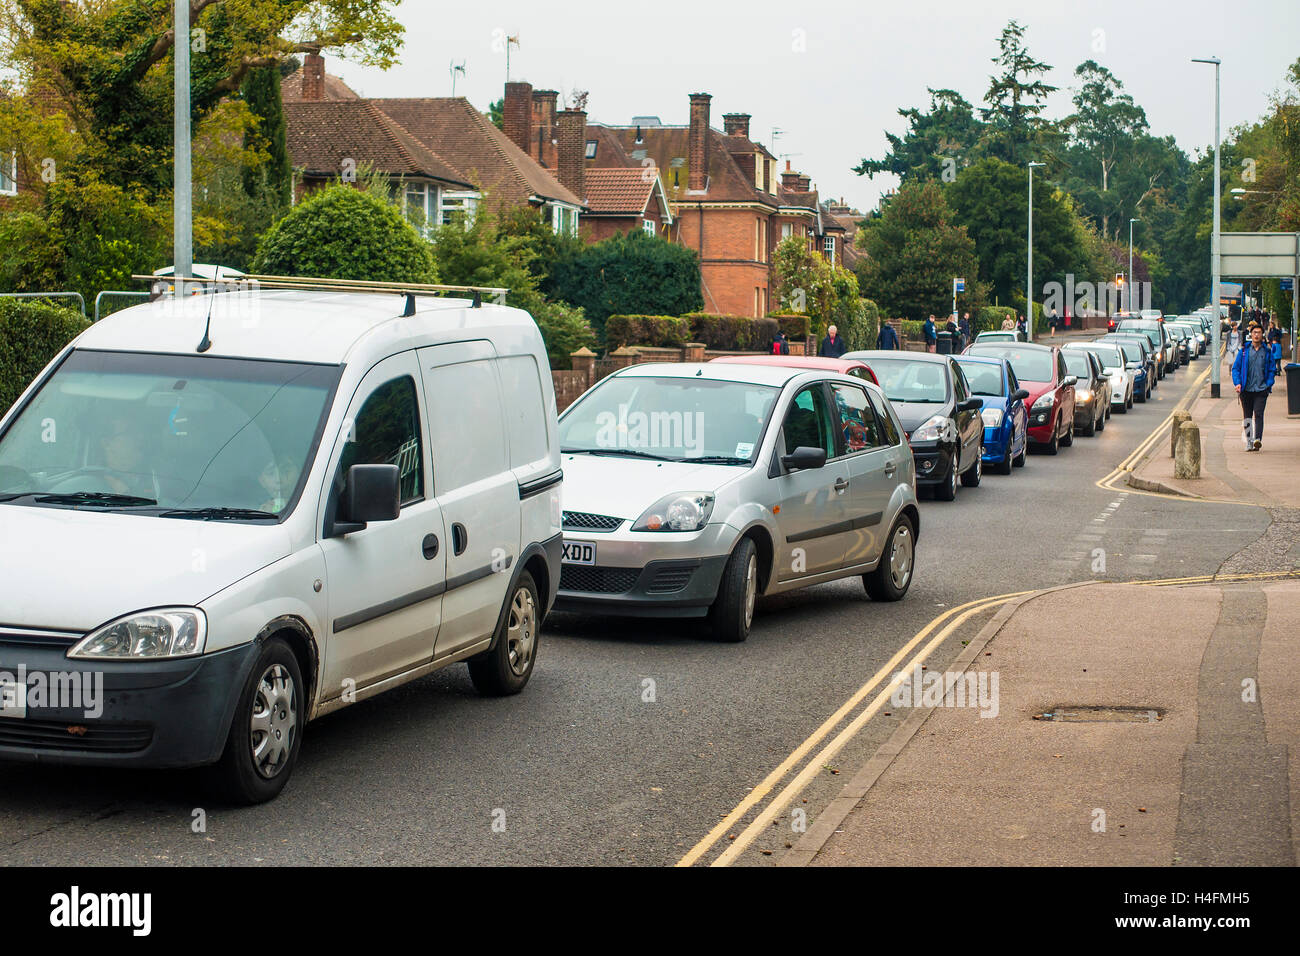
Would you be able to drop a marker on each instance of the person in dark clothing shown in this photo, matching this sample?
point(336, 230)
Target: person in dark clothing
point(1252, 375)
point(1020, 326)
point(887, 338)
point(833, 345)
point(780, 344)
point(1053, 321)
point(964, 325)
point(1274, 336)
point(931, 334)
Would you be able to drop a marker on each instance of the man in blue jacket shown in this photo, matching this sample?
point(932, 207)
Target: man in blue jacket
point(1252, 375)
point(887, 338)
point(931, 334)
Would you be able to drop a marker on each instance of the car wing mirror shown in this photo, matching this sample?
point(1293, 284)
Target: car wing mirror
point(1071, 380)
point(970, 405)
point(805, 457)
point(370, 493)
point(1020, 393)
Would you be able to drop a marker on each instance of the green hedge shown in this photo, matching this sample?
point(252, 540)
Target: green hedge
point(735, 333)
point(659, 331)
point(31, 333)
point(989, 318)
point(795, 325)
point(912, 329)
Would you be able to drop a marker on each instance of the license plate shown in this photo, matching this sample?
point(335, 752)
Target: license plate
point(578, 552)
point(13, 699)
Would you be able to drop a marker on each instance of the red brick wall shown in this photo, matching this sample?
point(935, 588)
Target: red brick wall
point(727, 265)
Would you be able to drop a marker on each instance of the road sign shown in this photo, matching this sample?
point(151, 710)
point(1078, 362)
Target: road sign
point(1287, 284)
point(1259, 254)
point(959, 285)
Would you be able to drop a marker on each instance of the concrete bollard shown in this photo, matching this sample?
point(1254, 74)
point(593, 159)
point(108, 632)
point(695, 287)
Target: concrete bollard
point(1187, 454)
point(1179, 417)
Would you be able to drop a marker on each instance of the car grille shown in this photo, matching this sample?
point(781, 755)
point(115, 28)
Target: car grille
point(668, 580)
point(60, 735)
point(582, 521)
point(598, 580)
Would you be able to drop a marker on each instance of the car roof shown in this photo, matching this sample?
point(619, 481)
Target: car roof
point(756, 374)
point(292, 325)
point(981, 359)
point(1019, 345)
point(866, 355)
point(819, 362)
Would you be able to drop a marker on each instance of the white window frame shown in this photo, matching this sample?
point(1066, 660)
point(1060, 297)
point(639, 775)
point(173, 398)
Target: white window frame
point(462, 201)
point(9, 180)
point(787, 230)
point(828, 249)
point(648, 226)
point(564, 219)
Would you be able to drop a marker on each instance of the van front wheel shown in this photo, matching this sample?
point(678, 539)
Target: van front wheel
point(505, 669)
point(265, 735)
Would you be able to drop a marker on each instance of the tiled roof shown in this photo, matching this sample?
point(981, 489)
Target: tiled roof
point(619, 191)
point(458, 132)
point(335, 89)
point(322, 135)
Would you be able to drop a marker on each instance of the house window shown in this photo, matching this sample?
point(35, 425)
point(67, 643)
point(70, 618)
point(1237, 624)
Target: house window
point(828, 249)
point(591, 149)
point(458, 207)
point(9, 175)
point(564, 220)
point(420, 204)
point(649, 226)
point(787, 230)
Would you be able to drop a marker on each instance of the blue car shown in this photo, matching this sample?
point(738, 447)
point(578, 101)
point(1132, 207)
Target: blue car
point(1005, 418)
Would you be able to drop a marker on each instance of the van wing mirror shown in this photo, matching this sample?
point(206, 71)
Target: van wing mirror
point(805, 457)
point(370, 493)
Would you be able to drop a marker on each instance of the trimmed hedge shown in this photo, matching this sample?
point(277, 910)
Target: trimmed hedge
point(795, 325)
point(729, 333)
point(989, 318)
point(659, 331)
point(913, 329)
point(31, 333)
point(732, 333)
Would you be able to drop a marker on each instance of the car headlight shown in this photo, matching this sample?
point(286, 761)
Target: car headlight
point(685, 511)
point(1045, 401)
point(933, 429)
point(1083, 394)
point(148, 635)
point(992, 417)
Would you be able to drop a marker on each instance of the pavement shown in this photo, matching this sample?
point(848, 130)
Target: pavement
point(1204, 770)
point(1228, 472)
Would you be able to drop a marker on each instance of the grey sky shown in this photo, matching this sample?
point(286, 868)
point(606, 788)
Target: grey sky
point(832, 75)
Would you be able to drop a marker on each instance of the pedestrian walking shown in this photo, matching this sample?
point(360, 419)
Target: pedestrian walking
point(833, 344)
point(1008, 324)
point(931, 335)
point(1053, 321)
point(1252, 376)
point(887, 338)
point(1233, 341)
point(1021, 327)
point(964, 325)
point(1274, 336)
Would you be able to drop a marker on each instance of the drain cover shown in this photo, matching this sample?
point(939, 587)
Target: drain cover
point(1075, 713)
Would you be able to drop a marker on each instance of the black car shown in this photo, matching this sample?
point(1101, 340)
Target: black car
point(1091, 391)
point(1158, 336)
point(940, 415)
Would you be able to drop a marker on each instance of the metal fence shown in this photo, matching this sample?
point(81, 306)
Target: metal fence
point(81, 303)
point(113, 292)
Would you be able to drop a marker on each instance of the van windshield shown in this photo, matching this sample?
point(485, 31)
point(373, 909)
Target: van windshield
point(671, 418)
point(171, 435)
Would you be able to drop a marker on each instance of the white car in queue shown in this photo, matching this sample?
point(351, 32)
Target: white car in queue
point(240, 512)
point(690, 489)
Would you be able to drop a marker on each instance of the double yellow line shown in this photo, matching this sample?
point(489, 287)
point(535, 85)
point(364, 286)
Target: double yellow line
point(941, 628)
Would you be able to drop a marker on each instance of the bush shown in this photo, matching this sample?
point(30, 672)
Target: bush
point(31, 333)
point(795, 325)
point(659, 331)
point(989, 318)
point(564, 330)
point(732, 333)
point(912, 329)
point(344, 233)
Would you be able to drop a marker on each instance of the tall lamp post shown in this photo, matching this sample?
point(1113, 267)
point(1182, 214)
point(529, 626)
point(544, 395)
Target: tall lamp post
point(1130, 262)
point(1029, 276)
point(1216, 326)
point(182, 221)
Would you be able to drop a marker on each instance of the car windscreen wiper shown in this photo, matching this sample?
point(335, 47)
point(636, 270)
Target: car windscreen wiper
point(105, 498)
point(715, 460)
point(216, 514)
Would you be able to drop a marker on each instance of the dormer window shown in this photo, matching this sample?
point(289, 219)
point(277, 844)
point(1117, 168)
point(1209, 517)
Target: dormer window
point(591, 149)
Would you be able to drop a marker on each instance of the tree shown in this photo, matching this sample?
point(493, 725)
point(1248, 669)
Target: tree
point(1016, 98)
point(1104, 125)
point(913, 251)
point(497, 113)
point(273, 176)
point(949, 131)
point(344, 233)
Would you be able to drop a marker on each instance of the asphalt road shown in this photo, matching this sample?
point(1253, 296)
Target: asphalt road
point(588, 766)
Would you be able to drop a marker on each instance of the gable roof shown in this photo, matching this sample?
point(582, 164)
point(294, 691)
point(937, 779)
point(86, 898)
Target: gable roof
point(321, 135)
point(623, 192)
point(456, 131)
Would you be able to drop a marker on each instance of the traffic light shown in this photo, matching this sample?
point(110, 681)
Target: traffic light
point(1119, 279)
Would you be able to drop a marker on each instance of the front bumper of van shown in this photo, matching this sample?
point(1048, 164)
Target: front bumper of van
point(167, 713)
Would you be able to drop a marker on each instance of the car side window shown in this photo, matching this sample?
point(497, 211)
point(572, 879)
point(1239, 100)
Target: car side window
point(857, 420)
point(808, 423)
point(889, 432)
point(387, 432)
point(1061, 370)
point(1012, 383)
point(960, 387)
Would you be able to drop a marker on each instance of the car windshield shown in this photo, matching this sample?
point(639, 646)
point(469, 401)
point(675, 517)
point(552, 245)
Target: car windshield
point(1076, 362)
point(160, 433)
point(1132, 350)
point(1110, 356)
point(920, 382)
point(984, 379)
point(1029, 364)
point(669, 418)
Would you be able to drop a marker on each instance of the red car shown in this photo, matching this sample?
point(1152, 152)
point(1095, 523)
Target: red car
point(852, 367)
point(1041, 371)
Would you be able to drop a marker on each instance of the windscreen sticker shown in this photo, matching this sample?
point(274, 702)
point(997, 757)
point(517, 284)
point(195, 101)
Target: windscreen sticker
point(744, 449)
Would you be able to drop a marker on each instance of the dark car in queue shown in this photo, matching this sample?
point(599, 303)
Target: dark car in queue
point(1158, 336)
point(1041, 370)
point(939, 414)
point(1091, 391)
point(1005, 417)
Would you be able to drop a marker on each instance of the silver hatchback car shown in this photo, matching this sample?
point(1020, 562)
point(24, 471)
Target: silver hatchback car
point(690, 489)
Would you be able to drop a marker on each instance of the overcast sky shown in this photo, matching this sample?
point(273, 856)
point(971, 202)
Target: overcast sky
point(833, 74)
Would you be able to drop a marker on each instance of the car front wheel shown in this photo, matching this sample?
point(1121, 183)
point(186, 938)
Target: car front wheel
point(893, 575)
point(948, 490)
point(972, 475)
point(733, 610)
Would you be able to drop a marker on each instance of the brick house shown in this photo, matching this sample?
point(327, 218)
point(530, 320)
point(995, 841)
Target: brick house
point(622, 200)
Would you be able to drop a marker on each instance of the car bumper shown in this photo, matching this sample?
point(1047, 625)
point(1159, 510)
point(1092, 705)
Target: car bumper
point(996, 441)
point(933, 463)
point(148, 714)
point(1040, 426)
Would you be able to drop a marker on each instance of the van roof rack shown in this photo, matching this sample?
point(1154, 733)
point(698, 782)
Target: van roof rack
point(313, 283)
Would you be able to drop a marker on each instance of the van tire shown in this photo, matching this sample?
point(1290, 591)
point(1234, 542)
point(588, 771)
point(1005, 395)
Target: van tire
point(275, 679)
point(505, 669)
point(732, 612)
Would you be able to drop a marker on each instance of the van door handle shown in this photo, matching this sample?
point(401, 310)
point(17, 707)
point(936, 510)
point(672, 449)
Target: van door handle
point(430, 546)
point(459, 538)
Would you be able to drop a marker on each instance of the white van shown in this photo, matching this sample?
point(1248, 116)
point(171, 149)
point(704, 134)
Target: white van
point(224, 516)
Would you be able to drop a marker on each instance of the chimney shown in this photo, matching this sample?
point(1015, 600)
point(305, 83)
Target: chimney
point(571, 129)
point(736, 124)
point(517, 116)
point(789, 178)
point(805, 183)
point(313, 78)
point(543, 138)
point(698, 142)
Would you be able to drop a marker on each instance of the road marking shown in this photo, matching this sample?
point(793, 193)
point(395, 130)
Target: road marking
point(831, 722)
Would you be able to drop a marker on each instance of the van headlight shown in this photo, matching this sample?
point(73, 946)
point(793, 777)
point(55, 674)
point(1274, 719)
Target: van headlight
point(992, 417)
point(148, 635)
point(685, 511)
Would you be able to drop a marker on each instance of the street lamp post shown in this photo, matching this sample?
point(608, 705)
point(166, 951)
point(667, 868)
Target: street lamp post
point(182, 222)
point(1029, 276)
point(1216, 327)
point(1130, 262)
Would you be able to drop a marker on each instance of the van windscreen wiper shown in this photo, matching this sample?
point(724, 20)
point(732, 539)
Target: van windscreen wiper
point(105, 498)
point(628, 452)
point(216, 514)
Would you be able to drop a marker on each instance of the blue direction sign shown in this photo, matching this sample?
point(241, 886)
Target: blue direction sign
point(1286, 284)
point(960, 285)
